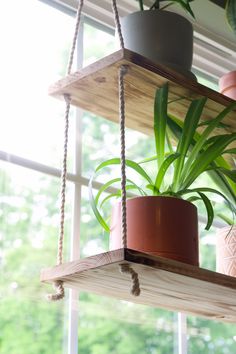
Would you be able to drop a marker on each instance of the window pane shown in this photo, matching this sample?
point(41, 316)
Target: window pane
point(97, 44)
point(110, 326)
point(206, 336)
point(29, 219)
point(35, 41)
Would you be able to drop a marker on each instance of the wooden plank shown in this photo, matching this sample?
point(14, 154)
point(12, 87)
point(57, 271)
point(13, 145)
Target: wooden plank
point(164, 283)
point(95, 89)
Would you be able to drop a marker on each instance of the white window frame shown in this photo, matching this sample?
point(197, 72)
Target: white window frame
point(204, 54)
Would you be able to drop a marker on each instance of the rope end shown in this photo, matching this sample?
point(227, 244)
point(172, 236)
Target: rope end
point(125, 268)
point(60, 292)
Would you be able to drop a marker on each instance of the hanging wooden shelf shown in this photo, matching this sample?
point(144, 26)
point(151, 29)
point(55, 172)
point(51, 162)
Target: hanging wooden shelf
point(95, 89)
point(164, 283)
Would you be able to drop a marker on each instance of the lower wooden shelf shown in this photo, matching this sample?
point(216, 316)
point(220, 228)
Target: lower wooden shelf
point(164, 283)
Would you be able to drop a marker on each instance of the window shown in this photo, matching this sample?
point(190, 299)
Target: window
point(36, 46)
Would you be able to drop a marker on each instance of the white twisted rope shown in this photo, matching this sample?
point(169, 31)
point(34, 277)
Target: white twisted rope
point(122, 73)
point(117, 23)
point(125, 268)
point(58, 285)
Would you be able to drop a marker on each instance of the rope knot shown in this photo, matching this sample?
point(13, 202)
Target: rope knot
point(124, 69)
point(60, 292)
point(125, 268)
point(67, 98)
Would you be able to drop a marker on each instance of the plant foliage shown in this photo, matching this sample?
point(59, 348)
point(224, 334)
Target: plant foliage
point(156, 5)
point(194, 155)
point(231, 14)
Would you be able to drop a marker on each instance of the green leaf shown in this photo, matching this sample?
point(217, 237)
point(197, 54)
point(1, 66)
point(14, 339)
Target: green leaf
point(209, 209)
point(97, 214)
point(164, 167)
point(141, 5)
point(225, 218)
point(185, 5)
point(231, 14)
point(193, 198)
point(106, 185)
point(189, 127)
point(160, 119)
point(153, 188)
point(207, 122)
point(203, 138)
point(230, 151)
point(209, 190)
point(148, 159)
point(109, 197)
point(135, 166)
point(229, 173)
point(203, 161)
point(223, 184)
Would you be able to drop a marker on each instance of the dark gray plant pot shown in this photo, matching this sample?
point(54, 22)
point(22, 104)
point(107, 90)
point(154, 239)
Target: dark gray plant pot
point(161, 36)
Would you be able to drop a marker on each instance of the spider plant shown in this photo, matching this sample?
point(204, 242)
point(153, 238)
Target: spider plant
point(194, 155)
point(222, 181)
point(230, 10)
point(156, 5)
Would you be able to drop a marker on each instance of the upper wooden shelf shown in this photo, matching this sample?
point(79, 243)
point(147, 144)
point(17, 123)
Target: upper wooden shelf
point(164, 283)
point(95, 89)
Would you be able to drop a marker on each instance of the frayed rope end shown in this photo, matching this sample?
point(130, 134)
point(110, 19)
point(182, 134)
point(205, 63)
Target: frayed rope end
point(127, 269)
point(60, 292)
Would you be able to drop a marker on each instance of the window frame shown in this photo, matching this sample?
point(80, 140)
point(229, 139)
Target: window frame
point(79, 181)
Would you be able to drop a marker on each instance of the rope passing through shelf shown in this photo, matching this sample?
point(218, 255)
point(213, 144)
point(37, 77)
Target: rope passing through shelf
point(127, 269)
point(58, 285)
point(124, 268)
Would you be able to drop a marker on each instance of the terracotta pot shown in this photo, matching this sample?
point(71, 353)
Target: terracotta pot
point(161, 36)
point(227, 85)
point(162, 226)
point(226, 251)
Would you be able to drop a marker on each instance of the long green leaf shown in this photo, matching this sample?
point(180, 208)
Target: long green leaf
point(209, 190)
point(230, 151)
point(185, 5)
point(209, 209)
point(164, 167)
point(129, 163)
point(104, 188)
point(229, 173)
point(189, 127)
point(229, 188)
point(222, 183)
point(148, 159)
point(160, 119)
point(231, 14)
point(203, 138)
point(225, 218)
point(106, 185)
point(113, 195)
point(207, 157)
point(99, 217)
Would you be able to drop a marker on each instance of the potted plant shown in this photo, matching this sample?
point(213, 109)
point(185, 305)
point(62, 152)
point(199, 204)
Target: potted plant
point(161, 36)
point(227, 83)
point(166, 202)
point(226, 236)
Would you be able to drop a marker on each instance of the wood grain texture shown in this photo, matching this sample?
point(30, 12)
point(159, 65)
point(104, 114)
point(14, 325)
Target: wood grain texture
point(95, 89)
point(164, 283)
